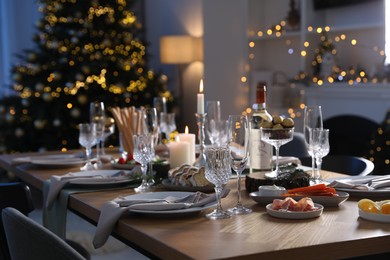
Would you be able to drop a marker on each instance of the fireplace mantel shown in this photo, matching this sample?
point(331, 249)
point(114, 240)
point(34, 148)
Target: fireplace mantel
point(367, 100)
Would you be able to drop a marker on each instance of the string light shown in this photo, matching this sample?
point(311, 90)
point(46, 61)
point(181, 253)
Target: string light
point(351, 78)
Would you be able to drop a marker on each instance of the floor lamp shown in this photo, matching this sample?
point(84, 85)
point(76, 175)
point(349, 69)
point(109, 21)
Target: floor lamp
point(180, 50)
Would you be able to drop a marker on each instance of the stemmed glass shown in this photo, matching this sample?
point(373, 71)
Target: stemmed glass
point(312, 119)
point(87, 138)
point(160, 104)
point(144, 143)
point(167, 124)
point(218, 172)
point(97, 115)
point(213, 110)
point(276, 137)
point(151, 127)
point(109, 129)
point(319, 143)
point(238, 142)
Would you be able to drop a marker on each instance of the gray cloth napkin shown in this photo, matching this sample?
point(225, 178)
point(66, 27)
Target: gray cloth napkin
point(93, 177)
point(365, 183)
point(111, 211)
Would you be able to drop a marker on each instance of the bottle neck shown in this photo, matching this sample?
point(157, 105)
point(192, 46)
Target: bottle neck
point(258, 106)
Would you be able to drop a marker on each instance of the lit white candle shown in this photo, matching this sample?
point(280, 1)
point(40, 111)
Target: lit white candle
point(190, 138)
point(179, 153)
point(200, 99)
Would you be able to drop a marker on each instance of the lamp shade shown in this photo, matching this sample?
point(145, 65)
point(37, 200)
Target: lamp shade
point(180, 49)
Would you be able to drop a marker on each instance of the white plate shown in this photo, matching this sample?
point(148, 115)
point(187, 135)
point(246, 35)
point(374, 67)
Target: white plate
point(164, 194)
point(376, 217)
point(57, 160)
point(58, 163)
point(331, 201)
point(167, 185)
point(362, 193)
point(295, 214)
point(107, 178)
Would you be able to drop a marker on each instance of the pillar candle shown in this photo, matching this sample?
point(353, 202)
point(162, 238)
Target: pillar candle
point(191, 139)
point(179, 153)
point(200, 99)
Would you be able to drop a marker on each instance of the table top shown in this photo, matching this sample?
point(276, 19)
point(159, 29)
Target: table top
point(337, 233)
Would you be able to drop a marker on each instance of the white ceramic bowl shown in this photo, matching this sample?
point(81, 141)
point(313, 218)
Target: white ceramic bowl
point(271, 190)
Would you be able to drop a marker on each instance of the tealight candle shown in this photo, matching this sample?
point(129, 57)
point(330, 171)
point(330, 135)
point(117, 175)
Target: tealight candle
point(179, 153)
point(200, 99)
point(190, 138)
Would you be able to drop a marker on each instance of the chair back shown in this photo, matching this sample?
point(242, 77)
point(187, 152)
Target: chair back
point(344, 164)
point(16, 195)
point(29, 240)
point(350, 134)
point(296, 148)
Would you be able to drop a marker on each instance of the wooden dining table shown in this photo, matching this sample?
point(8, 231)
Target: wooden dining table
point(338, 233)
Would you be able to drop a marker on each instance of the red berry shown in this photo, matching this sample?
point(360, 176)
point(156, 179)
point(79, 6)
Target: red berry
point(121, 160)
point(130, 157)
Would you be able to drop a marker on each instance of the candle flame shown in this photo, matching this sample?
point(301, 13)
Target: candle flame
point(201, 86)
point(186, 130)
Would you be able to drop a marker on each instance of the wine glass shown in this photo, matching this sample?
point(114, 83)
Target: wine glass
point(218, 171)
point(109, 129)
point(151, 128)
point(87, 138)
point(319, 143)
point(97, 115)
point(167, 124)
point(238, 142)
point(160, 103)
point(222, 132)
point(312, 119)
point(276, 137)
point(213, 117)
point(143, 153)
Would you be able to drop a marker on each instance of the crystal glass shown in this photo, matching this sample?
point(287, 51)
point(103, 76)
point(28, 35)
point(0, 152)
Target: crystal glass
point(87, 139)
point(276, 137)
point(143, 153)
point(167, 124)
point(97, 115)
point(319, 145)
point(218, 172)
point(213, 110)
point(312, 118)
point(238, 142)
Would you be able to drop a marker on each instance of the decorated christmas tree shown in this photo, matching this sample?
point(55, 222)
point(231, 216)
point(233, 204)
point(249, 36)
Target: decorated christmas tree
point(380, 148)
point(85, 50)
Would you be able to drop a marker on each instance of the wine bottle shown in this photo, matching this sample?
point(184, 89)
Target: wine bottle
point(260, 152)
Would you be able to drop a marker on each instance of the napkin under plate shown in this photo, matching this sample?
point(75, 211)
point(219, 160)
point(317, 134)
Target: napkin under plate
point(372, 182)
point(111, 211)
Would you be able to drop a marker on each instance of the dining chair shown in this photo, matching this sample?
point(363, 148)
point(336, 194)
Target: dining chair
point(29, 240)
point(350, 134)
point(18, 195)
point(346, 164)
point(13, 194)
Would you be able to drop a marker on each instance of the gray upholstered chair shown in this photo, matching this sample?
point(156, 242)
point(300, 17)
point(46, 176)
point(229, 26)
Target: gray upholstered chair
point(29, 240)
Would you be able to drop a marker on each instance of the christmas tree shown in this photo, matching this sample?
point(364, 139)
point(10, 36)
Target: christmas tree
point(85, 50)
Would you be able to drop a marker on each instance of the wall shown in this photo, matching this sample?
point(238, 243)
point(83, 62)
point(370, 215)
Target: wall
point(174, 17)
point(224, 54)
